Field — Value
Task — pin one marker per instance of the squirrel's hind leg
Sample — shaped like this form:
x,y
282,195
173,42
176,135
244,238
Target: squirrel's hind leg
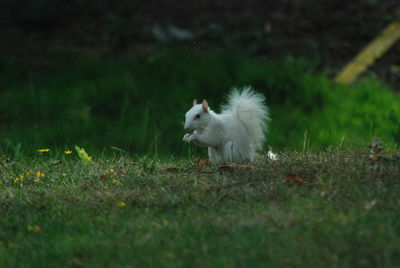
x,y
237,153
215,155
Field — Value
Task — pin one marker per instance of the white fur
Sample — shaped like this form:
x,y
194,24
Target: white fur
x,y
236,133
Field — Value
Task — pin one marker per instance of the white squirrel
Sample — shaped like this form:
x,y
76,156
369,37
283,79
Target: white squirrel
x,y
234,135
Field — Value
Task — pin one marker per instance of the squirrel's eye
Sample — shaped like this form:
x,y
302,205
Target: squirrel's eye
x,y
197,116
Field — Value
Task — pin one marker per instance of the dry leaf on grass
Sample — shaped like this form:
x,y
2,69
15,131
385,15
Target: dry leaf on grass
x,y
226,168
171,169
293,179
201,162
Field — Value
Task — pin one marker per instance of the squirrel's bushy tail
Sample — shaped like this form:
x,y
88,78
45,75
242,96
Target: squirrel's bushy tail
x,y
250,109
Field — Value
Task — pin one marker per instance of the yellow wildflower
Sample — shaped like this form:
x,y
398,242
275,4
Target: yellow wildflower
x,y
36,180
43,150
20,178
121,204
67,152
114,181
39,174
35,228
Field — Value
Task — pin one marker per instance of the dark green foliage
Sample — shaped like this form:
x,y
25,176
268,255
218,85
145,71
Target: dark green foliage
x,y
138,103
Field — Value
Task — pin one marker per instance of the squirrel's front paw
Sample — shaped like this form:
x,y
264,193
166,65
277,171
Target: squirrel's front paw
x,y
186,137
189,137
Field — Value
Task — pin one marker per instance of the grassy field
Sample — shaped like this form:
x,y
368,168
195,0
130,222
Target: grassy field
x,y
138,103
337,208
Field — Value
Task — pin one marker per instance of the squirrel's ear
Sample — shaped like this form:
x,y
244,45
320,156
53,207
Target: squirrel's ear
x,y
204,104
194,102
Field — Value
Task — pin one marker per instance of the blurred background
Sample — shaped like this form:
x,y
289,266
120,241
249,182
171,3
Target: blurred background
x,y
120,75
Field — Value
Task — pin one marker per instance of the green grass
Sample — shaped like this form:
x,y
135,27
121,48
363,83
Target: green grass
x,y
179,214
138,103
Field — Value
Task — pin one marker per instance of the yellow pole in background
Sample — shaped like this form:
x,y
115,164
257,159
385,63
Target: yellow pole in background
x,y
374,50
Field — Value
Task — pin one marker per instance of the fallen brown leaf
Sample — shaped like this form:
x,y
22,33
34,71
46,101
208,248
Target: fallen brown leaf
x,y
226,168
201,162
171,169
293,179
